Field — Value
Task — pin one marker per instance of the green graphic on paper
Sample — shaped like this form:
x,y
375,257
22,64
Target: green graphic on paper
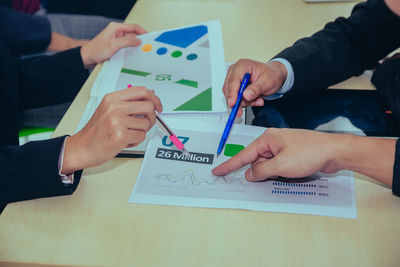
x,y
201,102
232,149
188,83
135,72
163,77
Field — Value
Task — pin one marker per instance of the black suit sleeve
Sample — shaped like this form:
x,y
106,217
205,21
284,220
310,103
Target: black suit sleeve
x,y
24,33
386,79
31,171
50,80
345,47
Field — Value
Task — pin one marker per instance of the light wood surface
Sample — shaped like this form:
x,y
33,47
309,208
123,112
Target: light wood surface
x,y
96,226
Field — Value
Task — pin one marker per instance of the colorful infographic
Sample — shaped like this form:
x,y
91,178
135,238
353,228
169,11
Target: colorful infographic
x,y
181,180
184,66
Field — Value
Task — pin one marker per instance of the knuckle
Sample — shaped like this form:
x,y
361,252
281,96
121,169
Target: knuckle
x,y
241,61
142,89
118,136
108,98
114,123
112,108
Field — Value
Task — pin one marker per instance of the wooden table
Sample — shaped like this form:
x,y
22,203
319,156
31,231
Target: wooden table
x,y
96,226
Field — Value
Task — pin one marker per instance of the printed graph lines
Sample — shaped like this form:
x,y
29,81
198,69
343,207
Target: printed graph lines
x,y
189,176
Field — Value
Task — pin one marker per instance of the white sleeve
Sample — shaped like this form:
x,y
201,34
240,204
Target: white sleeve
x,y
288,84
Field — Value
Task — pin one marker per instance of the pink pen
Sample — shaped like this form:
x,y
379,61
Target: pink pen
x,y
171,135
175,140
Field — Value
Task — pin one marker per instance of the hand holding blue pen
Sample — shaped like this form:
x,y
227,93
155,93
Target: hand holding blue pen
x,y
232,116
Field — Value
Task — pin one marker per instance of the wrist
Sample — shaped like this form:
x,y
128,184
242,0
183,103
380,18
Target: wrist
x,y
342,152
88,62
280,70
75,157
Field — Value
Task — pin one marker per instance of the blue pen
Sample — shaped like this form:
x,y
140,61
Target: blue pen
x,y
232,116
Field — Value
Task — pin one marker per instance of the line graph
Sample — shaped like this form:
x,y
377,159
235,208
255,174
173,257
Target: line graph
x,y
188,176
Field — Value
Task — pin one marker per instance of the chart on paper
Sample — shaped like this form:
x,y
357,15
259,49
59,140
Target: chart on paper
x,y
187,180
178,65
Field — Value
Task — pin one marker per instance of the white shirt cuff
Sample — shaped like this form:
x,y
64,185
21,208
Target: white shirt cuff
x,y
66,179
288,84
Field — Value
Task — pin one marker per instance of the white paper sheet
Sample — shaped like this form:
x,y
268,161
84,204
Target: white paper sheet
x,y
166,179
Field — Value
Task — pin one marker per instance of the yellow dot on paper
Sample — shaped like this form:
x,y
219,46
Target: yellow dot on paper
x,y
147,47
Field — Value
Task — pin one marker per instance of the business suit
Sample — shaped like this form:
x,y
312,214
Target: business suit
x,y
344,48
31,171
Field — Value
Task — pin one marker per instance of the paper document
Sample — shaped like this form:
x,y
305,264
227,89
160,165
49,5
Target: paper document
x,y
185,67
169,178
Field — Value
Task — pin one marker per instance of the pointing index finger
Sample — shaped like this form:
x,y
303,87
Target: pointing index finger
x,y
246,156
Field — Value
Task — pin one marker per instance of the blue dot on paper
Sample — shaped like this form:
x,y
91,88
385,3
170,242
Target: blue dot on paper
x,y
162,50
191,57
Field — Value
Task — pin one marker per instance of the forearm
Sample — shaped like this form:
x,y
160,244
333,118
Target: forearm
x,y
373,157
61,42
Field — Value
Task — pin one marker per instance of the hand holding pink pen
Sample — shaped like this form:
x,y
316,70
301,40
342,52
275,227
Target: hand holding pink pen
x,y
174,139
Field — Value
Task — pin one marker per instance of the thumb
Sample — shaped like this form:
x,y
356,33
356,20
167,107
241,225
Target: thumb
x,y
261,170
253,91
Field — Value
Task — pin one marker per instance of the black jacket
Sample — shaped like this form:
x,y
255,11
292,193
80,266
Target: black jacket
x,y
31,171
24,33
344,48
347,47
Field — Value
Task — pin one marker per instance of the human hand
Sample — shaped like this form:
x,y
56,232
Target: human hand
x,y
290,153
121,120
266,79
114,37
